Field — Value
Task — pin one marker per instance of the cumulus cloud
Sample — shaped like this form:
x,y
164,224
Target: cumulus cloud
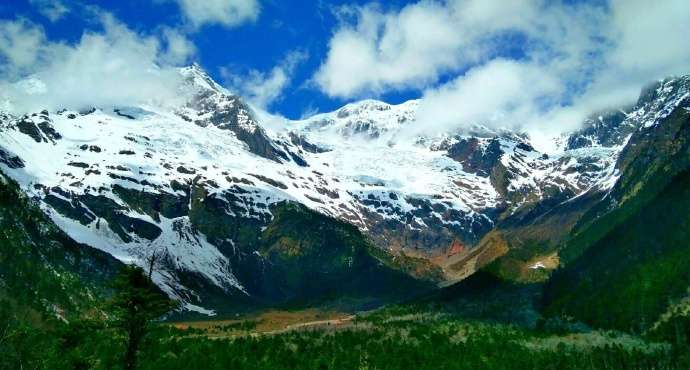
x,y
178,48
499,93
54,10
20,42
384,50
374,51
228,13
533,64
115,66
649,42
264,88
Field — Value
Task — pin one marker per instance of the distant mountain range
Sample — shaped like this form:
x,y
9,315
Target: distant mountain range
x,y
344,207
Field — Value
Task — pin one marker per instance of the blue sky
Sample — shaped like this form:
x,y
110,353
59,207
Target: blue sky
x,y
283,26
536,65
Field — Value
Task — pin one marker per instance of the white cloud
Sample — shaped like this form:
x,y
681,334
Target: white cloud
x,y
229,13
649,42
501,93
650,37
54,10
534,64
381,51
20,42
261,88
179,49
114,67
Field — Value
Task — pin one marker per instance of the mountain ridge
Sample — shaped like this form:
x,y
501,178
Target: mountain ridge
x,y
197,183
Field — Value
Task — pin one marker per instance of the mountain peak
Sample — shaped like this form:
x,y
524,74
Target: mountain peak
x,y
202,181
196,76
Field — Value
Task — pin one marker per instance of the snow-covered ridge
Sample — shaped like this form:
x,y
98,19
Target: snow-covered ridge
x,y
364,119
134,181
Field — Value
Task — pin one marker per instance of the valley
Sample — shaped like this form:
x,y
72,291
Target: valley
x,y
344,185
213,192
315,239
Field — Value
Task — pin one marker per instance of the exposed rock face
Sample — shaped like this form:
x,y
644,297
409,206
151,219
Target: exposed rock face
x,y
212,105
455,248
602,129
38,127
659,146
9,160
476,155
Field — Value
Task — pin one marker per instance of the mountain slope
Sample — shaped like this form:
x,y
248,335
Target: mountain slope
x,y
628,278
200,184
627,262
651,142
41,268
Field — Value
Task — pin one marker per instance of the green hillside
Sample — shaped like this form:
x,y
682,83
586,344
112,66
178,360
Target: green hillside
x,y
40,266
627,279
629,259
316,258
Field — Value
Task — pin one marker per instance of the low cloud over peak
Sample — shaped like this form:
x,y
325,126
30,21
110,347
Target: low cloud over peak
x,y
113,66
536,65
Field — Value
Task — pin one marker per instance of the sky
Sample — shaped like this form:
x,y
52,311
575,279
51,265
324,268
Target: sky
x,y
536,65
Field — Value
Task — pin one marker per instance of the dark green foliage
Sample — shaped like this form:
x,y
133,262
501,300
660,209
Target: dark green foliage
x,y
486,296
674,329
241,326
313,257
625,268
300,258
381,341
40,266
135,304
43,275
629,257
626,279
396,338
648,164
19,337
391,343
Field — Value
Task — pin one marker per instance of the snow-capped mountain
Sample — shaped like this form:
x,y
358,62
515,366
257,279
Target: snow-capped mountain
x,y
198,184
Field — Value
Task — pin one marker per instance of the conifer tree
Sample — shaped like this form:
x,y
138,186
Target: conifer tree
x,y
137,302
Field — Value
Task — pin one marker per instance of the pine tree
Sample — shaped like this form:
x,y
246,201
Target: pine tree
x,y
137,302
